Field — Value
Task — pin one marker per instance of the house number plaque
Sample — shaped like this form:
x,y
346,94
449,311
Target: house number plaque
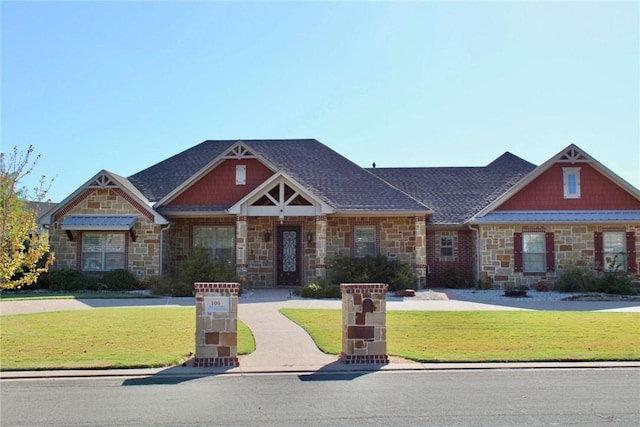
x,y
216,304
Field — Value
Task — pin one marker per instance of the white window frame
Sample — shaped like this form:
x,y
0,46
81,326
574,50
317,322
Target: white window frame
x,y
446,245
364,240
534,256
216,244
614,243
571,183
102,255
241,174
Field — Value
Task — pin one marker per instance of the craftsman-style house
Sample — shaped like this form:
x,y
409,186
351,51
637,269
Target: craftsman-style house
x,y
279,210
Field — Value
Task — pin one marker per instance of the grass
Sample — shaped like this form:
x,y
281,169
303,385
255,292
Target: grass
x,y
19,296
490,336
102,339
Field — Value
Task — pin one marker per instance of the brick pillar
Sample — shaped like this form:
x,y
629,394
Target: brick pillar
x,y
364,323
321,246
421,250
216,324
242,228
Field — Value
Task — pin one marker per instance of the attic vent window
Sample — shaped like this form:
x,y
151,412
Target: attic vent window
x,y
571,183
241,174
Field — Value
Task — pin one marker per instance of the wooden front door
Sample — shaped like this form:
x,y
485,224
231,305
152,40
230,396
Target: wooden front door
x,y
289,273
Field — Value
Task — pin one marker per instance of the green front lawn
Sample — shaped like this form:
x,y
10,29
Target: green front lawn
x,y
23,296
490,336
104,338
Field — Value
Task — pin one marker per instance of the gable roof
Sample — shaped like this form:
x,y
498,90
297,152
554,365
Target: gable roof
x,y
570,155
335,180
455,194
106,179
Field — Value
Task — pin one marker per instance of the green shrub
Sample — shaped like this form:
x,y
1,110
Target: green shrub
x,y
119,280
199,267
371,269
333,291
72,280
450,278
312,291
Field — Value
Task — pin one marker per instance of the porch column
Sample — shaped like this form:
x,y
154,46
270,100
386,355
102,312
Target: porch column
x,y
321,245
421,249
241,246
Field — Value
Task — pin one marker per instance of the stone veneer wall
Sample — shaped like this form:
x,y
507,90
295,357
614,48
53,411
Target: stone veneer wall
x,y
364,323
572,242
396,238
216,331
143,255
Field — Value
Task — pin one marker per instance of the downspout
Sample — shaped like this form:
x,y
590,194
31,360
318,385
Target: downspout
x,y
477,235
162,230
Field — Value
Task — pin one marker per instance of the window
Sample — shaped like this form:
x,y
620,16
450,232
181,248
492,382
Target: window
x,y
220,240
446,246
614,250
571,183
103,251
533,252
365,240
241,174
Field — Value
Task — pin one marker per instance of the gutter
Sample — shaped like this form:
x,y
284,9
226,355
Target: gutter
x,y
162,230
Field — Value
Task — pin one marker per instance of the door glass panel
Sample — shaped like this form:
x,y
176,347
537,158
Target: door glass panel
x,y
289,244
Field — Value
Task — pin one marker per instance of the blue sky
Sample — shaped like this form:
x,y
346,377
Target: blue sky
x,y
123,85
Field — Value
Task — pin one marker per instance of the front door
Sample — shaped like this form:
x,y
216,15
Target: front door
x,y
289,256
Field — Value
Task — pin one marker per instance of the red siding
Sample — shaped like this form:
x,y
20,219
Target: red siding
x,y
219,187
546,193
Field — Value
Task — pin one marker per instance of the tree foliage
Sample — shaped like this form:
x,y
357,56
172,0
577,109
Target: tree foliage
x,y
24,252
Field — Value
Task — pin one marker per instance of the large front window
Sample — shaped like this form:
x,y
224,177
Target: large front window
x,y
533,252
614,250
365,240
220,240
103,251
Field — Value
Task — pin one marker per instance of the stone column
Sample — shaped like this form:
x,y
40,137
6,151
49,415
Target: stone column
x,y
321,245
242,260
421,250
364,323
216,324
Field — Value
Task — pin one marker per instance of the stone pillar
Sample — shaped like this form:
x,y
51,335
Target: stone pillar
x,y
364,323
242,260
321,245
216,324
421,250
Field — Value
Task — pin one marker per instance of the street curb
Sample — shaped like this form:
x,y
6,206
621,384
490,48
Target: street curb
x,y
180,371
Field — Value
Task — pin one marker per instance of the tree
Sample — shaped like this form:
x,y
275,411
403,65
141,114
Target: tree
x,y
24,252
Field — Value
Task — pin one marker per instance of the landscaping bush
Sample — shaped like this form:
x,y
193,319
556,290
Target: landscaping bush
x,y
333,291
312,291
450,279
72,280
199,267
371,269
119,280
581,278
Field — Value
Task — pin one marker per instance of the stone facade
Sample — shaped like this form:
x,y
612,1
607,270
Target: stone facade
x,y
364,323
216,324
572,243
142,256
256,257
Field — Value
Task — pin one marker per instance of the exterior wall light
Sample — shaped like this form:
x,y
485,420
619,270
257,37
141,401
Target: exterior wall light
x,y
267,235
309,237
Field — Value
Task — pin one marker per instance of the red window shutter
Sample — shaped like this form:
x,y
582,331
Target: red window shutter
x,y
551,253
631,251
597,248
517,252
